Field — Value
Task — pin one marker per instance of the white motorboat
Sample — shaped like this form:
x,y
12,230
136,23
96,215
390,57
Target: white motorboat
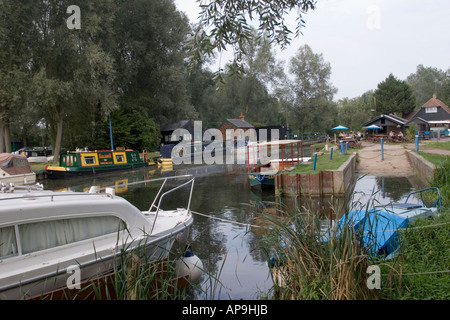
x,y
14,168
45,235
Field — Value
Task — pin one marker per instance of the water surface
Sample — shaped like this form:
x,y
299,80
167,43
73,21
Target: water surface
x,y
222,236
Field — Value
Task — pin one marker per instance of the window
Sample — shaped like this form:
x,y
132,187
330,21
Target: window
x,y
8,245
89,160
44,235
430,109
120,158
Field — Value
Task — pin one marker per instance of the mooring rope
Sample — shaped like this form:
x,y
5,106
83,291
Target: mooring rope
x,y
225,220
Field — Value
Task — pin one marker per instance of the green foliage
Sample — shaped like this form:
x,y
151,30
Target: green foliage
x,y
225,24
313,92
425,82
411,131
394,96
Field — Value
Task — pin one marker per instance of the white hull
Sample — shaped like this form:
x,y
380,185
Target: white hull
x,y
43,235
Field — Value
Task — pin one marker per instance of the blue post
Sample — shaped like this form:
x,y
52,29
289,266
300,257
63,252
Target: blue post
x,y
346,146
382,149
342,147
315,160
417,143
110,133
331,154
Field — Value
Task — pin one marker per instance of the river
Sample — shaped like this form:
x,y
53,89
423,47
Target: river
x,y
222,236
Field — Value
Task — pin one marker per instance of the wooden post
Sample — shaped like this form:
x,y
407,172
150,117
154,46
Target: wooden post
x,y
132,273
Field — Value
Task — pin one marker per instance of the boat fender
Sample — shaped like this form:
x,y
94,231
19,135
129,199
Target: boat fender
x,y
258,177
189,266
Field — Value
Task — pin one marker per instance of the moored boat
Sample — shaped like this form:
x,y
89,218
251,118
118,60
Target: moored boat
x,y
379,227
15,169
79,163
262,168
46,235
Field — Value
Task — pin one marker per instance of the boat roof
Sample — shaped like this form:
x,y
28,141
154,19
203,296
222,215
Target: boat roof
x,y
14,164
275,143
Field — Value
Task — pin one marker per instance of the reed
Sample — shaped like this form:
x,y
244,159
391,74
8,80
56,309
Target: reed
x,y
313,262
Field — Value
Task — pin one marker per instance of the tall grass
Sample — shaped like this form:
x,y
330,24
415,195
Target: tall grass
x,y
315,263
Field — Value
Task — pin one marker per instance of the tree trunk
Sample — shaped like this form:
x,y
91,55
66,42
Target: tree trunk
x,y
59,127
2,137
7,137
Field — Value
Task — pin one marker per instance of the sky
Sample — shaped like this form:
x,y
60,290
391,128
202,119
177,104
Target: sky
x,y
366,40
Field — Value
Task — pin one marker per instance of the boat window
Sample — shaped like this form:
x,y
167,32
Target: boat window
x,y
44,235
8,245
21,162
120,158
89,160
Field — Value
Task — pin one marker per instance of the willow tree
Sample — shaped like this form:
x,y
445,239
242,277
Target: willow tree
x,y
313,107
226,25
16,39
74,73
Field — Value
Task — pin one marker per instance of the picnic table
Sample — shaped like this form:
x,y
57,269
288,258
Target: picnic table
x,y
377,137
352,142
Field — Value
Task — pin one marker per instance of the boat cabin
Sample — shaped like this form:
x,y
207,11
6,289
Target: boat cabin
x,y
15,169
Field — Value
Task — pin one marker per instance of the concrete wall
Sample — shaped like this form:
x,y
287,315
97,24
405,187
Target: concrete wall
x,y
424,169
332,182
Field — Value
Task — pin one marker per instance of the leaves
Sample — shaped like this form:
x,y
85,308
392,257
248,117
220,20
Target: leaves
x,y
227,24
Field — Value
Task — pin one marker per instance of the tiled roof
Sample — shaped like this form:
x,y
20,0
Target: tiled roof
x,y
239,123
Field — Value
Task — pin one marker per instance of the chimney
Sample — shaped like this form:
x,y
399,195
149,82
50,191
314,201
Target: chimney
x,y
241,116
434,95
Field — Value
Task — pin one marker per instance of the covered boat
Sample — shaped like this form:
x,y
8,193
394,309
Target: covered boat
x,y
262,168
79,163
15,169
46,235
379,227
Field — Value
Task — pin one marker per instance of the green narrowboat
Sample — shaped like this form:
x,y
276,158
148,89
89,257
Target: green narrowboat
x,y
78,163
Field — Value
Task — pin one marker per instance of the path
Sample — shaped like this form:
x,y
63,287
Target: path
x,y
395,159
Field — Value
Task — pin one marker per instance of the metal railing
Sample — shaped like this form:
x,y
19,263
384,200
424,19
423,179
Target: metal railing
x,y
10,188
159,197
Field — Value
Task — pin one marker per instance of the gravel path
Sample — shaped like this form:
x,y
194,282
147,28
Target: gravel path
x,y
395,159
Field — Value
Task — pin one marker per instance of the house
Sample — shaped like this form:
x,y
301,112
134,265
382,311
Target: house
x,y
388,123
233,129
434,113
167,129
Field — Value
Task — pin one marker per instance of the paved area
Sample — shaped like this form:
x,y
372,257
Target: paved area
x,y
395,159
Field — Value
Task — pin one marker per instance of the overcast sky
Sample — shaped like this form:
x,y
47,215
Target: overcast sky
x,y
366,40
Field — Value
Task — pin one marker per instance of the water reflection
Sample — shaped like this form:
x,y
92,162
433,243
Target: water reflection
x,y
230,249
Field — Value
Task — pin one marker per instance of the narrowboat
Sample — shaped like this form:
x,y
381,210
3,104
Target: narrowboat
x,y
262,168
79,163
46,236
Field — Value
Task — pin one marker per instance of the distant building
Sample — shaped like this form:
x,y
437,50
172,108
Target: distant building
x,y
387,123
235,124
434,113
280,133
167,131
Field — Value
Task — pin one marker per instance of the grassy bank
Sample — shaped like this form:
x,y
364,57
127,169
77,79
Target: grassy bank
x,y
312,265
324,162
